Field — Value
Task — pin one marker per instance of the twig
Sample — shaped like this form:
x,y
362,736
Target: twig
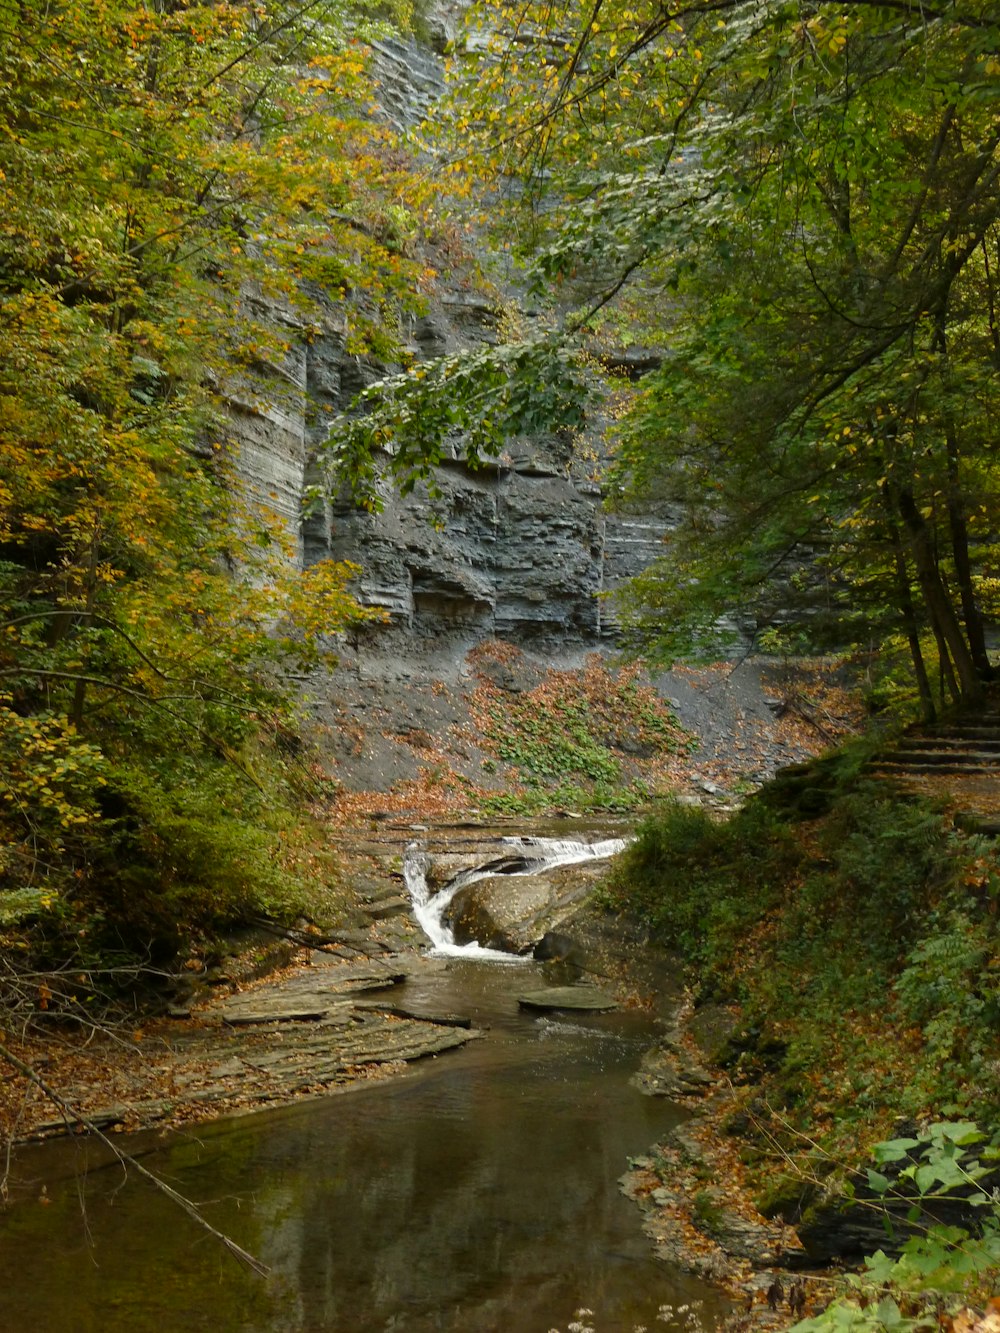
x,y
127,1160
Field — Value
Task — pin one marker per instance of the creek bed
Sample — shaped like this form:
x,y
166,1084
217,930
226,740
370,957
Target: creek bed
x,y
476,1193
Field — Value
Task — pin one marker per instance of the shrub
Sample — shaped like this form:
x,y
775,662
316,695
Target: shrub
x,y
701,884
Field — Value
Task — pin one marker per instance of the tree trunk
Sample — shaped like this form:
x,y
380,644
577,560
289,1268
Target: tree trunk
x,y
912,629
957,523
86,620
942,615
963,565
947,684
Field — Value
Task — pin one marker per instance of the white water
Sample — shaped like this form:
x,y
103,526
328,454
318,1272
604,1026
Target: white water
x,y
533,855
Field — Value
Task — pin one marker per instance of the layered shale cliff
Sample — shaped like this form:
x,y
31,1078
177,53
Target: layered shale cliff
x,y
520,549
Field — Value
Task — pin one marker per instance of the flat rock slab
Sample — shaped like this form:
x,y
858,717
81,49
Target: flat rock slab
x,y
306,998
345,976
404,1011
309,1008
568,997
256,1070
384,908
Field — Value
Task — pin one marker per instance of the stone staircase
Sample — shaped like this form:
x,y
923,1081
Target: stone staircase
x,y
965,753
956,747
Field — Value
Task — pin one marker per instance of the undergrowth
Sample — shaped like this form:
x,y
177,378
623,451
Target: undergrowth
x,y
595,738
858,943
177,849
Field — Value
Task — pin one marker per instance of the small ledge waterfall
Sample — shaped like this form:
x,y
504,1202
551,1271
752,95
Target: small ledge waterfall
x,y
523,856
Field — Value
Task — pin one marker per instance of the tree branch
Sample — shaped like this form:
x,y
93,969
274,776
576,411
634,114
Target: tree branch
x,y
127,1160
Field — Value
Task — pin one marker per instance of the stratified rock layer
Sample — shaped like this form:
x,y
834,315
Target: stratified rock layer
x,y
519,549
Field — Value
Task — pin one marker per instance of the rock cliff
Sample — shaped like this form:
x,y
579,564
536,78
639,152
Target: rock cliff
x,y
522,549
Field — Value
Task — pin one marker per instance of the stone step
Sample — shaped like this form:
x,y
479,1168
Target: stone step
x,y
900,767
956,760
951,742
971,821
959,732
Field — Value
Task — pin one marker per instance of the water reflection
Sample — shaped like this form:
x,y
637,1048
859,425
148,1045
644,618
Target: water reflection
x,y
479,1194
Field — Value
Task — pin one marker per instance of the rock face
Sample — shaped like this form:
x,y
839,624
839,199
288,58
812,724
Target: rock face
x,y
521,549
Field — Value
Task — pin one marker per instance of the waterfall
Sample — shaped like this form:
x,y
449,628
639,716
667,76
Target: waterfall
x,y
525,856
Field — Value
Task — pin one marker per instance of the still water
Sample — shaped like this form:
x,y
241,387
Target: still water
x,y
476,1193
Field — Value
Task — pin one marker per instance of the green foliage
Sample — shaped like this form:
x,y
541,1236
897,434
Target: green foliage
x,y
949,988
554,744
703,885
717,180
197,854
858,941
586,739
469,404
940,1267
882,863
168,173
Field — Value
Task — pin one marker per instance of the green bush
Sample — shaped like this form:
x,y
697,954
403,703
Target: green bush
x,y
703,884
879,865
863,941
195,855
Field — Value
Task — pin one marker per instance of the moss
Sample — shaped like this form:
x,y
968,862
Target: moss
x,y
787,1197
707,1213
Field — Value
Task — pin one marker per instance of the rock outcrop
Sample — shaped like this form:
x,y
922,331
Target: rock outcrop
x,y
511,912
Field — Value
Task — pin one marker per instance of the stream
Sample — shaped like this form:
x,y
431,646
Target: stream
x,y
477,1192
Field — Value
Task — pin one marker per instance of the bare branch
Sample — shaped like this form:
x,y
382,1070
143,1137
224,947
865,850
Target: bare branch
x,y
73,1116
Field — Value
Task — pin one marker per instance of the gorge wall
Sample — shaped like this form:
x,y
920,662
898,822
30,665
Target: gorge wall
x,y
523,548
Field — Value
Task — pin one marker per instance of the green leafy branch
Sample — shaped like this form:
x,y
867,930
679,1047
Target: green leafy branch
x,y
467,405
938,1265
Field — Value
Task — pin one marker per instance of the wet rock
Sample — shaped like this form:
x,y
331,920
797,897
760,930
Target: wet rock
x,y
834,1227
669,1070
219,1067
712,1025
496,912
405,1011
512,911
556,947
389,906
359,940
311,1007
568,997
315,995
762,1244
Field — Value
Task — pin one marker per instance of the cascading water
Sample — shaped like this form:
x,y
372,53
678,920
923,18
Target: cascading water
x,y
525,856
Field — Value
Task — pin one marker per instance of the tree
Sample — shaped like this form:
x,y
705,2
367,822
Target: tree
x,y
850,344
158,160
797,203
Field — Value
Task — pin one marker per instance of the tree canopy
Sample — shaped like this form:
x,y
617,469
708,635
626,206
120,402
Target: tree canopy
x,y
797,205
161,162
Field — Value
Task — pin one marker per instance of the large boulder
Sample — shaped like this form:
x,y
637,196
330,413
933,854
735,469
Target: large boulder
x,y
512,912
